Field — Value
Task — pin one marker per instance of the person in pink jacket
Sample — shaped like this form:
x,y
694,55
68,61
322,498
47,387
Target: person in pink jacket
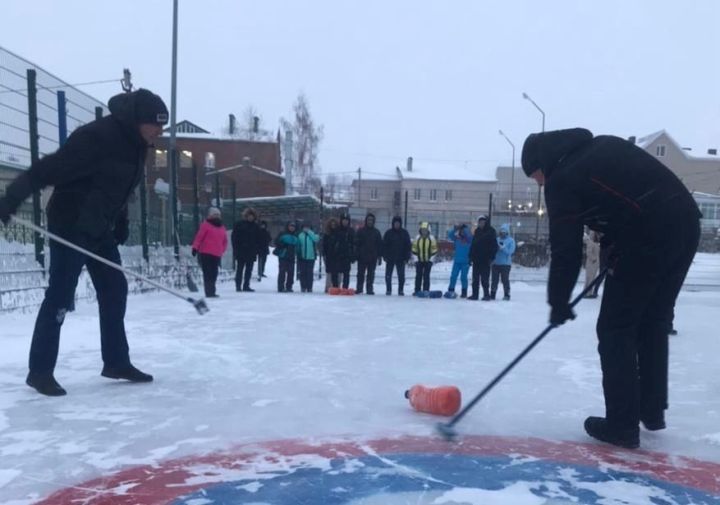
x,y
210,243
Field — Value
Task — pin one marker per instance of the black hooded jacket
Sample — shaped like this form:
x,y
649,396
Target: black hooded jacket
x,y
613,187
339,247
94,173
246,240
484,245
396,246
368,242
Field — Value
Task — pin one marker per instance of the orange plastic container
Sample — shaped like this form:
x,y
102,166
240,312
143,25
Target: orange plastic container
x,y
335,291
441,400
347,291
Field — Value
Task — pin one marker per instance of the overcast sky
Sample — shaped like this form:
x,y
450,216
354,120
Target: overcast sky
x,y
395,78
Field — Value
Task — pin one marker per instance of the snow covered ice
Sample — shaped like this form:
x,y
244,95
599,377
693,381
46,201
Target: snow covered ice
x,y
315,369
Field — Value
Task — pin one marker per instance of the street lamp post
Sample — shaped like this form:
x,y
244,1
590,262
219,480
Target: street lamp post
x,y
172,144
539,204
512,177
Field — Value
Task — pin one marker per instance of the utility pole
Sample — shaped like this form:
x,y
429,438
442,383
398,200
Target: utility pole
x,y
172,147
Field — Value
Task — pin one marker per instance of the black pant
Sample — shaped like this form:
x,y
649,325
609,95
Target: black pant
x,y
306,267
210,265
243,273
422,275
481,274
335,278
111,288
262,259
633,326
363,269
400,266
286,274
500,272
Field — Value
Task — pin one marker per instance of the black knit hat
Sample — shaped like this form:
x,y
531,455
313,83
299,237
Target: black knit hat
x,y
150,108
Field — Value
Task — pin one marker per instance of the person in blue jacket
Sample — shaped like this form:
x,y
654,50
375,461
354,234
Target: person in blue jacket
x,y
306,254
461,238
503,262
286,245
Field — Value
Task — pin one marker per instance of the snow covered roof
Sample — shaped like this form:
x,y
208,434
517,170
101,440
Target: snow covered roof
x,y
471,171
254,167
645,141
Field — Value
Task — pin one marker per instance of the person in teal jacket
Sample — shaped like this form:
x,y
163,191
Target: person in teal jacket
x,y
461,238
503,262
306,254
286,249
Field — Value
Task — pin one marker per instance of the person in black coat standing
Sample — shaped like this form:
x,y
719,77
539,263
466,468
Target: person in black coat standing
x,y
94,173
264,249
368,243
616,188
482,253
342,251
246,242
396,250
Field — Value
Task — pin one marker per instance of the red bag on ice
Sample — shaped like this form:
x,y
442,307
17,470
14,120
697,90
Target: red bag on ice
x,y
441,400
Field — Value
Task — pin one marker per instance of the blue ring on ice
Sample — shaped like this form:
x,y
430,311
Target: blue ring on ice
x,y
355,478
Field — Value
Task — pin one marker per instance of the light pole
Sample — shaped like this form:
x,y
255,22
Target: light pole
x,y
512,177
172,145
539,204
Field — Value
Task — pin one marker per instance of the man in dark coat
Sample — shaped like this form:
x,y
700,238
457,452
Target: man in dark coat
x,y
94,173
342,251
482,253
618,189
246,243
368,243
396,250
264,251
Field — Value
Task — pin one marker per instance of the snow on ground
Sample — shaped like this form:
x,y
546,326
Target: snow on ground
x,y
266,366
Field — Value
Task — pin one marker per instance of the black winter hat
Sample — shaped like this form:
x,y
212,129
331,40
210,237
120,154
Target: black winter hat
x,y
150,108
396,219
543,151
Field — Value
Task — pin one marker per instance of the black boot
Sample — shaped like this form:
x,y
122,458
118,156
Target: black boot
x,y
45,384
127,372
492,295
248,289
463,293
654,422
598,428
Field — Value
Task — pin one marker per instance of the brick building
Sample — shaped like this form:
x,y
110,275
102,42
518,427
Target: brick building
x,y
239,163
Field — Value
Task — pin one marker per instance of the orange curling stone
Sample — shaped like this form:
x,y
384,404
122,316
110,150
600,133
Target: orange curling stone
x,y
441,400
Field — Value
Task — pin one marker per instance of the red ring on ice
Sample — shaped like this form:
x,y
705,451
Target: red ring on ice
x,y
160,484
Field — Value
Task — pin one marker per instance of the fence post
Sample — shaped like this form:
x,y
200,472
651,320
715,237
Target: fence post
x,y
406,207
34,157
62,117
320,229
98,112
196,199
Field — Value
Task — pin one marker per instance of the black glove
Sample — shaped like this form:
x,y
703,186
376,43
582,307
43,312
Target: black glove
x,y
194,252
6,211
560,314
121,231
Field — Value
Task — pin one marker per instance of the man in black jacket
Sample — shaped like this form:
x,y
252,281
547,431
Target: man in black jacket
x,y
246,243
368,244
342,250
94,174
651,222
396,250
482,253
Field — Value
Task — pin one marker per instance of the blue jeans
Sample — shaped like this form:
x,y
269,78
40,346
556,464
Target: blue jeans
x,y
462,270
111,288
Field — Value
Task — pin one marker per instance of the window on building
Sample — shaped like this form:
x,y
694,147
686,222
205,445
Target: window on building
x,y
433,195
209,160
660,150
160,158
185,159
373,193
417,194
396,199
708,210
448,195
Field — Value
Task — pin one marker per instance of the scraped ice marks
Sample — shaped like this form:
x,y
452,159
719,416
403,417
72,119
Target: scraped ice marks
x,y
478,470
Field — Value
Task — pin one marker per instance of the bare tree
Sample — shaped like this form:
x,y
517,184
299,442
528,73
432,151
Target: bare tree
x,y
306,139
331,186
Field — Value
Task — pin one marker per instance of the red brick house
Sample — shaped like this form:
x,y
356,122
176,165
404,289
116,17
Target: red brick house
x,y
250,160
